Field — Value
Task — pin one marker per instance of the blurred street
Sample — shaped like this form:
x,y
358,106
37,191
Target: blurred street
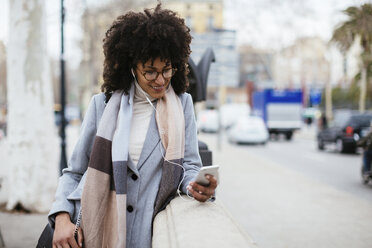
x,y
288,194
283,194
253,72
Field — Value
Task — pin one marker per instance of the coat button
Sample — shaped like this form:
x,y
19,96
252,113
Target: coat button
x,y
130,209
134,177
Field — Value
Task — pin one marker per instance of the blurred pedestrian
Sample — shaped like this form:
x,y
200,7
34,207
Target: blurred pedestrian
x,y
366,143
309,120
322,123
138,143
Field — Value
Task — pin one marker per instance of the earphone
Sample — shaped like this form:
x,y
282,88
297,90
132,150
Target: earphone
x,y
143,92
183,168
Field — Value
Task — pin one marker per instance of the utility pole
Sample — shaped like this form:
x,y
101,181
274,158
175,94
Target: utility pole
x,y
63,162
328,97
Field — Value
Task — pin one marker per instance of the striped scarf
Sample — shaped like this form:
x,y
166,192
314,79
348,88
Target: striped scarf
x,y
104,196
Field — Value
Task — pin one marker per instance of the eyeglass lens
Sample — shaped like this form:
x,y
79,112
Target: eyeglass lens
x,y
153,75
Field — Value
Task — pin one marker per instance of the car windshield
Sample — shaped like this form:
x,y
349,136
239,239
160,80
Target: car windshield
x,y
250,122
341,118
361,120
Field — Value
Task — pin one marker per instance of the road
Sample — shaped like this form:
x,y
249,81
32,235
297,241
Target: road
x,y
341,171
288,194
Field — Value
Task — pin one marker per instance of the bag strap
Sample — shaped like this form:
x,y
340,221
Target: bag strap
x,y
77,225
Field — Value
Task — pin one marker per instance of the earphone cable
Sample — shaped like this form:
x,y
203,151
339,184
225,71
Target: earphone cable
x,y
183,168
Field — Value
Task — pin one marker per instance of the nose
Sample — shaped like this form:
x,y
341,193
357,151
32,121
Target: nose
x,y
160,80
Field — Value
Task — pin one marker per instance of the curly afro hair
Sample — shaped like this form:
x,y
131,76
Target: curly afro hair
x,y
138,37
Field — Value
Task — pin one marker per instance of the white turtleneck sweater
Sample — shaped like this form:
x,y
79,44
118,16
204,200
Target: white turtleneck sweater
x,y
142,111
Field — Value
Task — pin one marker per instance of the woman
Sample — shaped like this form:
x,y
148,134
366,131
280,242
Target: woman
x,y
138,142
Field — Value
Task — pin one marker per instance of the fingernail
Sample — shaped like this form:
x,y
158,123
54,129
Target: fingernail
x,y
208,176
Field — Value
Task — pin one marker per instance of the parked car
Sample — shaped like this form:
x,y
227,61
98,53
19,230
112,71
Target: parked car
x,y
208,121
249,130
231,112
345,130
2,134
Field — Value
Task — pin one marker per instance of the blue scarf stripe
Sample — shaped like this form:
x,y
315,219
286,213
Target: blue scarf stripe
x,y
120,169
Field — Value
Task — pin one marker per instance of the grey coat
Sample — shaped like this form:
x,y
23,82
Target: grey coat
x,y
143,180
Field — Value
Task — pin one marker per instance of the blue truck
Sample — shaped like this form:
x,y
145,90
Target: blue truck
x,y
280,109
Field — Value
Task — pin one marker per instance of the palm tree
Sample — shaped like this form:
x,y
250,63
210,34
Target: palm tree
x,y
357,28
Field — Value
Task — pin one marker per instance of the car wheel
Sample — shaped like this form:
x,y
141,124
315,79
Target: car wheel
x,y
320,144
340,147
274,136
352,149
288,136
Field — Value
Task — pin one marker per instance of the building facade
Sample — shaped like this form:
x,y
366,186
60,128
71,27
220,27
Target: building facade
x,y
255,65
312,62
225,70
205,19
302,64
200,16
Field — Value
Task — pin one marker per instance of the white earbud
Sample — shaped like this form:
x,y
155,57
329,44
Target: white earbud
x,y
183,168
152,105
143,92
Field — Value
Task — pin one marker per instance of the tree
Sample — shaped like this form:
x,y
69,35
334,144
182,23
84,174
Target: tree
x,y
32,139
2,76
357,28
95,21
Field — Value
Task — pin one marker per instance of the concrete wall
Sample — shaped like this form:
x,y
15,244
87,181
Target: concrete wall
x,y
189,223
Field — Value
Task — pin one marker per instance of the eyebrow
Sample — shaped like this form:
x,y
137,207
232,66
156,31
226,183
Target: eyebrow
x,y
153,67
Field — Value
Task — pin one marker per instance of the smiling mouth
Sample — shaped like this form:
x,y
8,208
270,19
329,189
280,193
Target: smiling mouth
x,y
157,87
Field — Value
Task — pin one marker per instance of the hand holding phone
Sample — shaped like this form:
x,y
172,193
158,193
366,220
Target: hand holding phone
x,y
207,170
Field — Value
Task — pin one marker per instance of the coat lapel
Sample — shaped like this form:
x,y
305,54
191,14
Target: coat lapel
x,y
151,141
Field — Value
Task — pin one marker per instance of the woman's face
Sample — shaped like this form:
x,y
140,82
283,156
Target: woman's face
x,y
154,76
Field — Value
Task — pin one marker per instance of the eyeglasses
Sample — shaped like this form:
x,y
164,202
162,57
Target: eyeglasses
x,y
153,75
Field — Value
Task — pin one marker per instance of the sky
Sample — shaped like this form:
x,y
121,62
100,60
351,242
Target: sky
x,y
265,24
274,24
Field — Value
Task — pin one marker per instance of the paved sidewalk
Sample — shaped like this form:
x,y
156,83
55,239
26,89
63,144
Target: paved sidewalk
x,y
21,230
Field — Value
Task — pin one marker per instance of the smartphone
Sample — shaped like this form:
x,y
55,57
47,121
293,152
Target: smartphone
x,y
207,170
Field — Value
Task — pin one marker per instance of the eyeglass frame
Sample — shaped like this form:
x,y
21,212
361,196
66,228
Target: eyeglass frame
x,y
174,70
